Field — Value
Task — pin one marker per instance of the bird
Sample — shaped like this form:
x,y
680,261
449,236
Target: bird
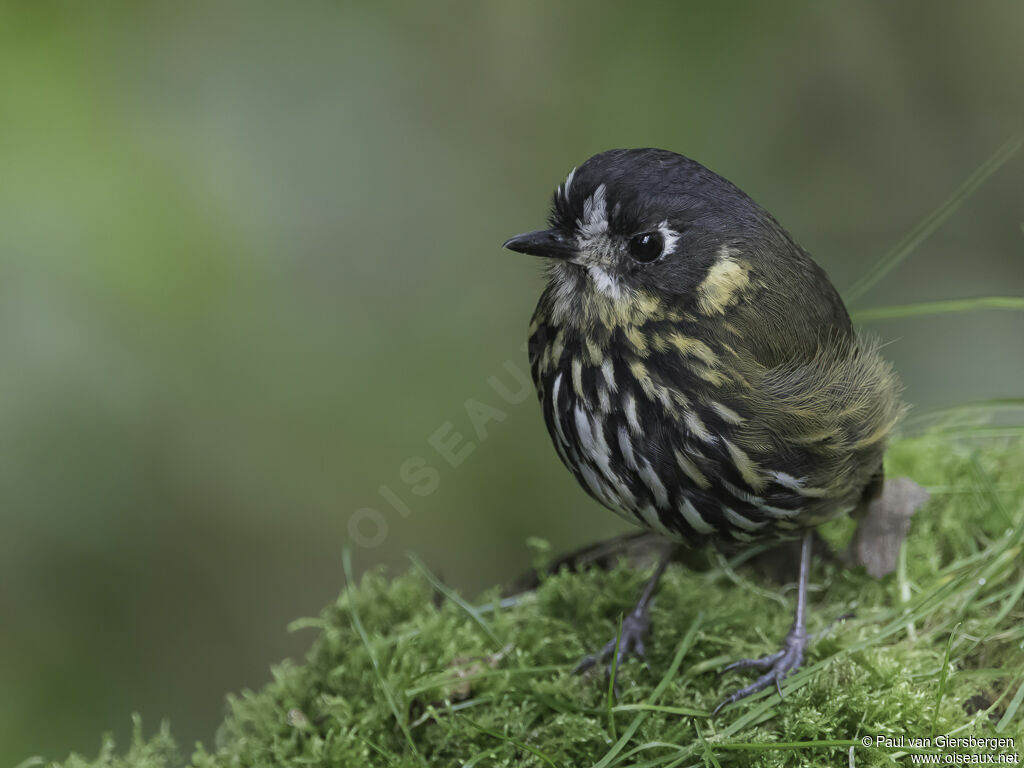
x,y
699,374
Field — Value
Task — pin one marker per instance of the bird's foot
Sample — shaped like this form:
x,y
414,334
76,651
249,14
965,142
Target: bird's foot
x,y
780,665
630,643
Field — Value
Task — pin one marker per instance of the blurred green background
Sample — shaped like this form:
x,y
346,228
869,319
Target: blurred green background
x,y
250,262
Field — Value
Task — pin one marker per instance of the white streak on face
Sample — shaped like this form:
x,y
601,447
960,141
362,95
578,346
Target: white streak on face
x,y
595,215
598,251
670,236
565,286
605,282
567,184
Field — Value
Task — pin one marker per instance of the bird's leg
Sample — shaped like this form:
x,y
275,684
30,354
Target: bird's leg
x,y
634,626
786,660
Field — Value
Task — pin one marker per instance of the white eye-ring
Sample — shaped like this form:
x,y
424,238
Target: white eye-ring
x,y
670,236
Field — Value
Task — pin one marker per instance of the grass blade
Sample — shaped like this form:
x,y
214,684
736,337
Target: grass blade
x,y
684,647
709,756
684,711
950,306
611,683
515,743
454,596
942,679
934,220
1011,709
346,560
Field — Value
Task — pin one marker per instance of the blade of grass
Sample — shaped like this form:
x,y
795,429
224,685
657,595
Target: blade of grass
x,y
375,748
978,408
477,758
666,761
566,705
982,433
685,711
992,498
934,220
432,712
904,586
454,596
727,570
611,683
684,647
1011,709
923,308
709,756
346,561
514,742
1010,603
994,707
676,749
766,701
437,679
943,678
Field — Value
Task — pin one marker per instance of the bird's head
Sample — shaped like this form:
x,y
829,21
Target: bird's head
x,y
643,224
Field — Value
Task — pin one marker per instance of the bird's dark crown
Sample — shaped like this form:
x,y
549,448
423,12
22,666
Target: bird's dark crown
x,y
643,187
652,222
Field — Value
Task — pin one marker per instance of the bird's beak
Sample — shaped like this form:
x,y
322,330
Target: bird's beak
x,y
544,242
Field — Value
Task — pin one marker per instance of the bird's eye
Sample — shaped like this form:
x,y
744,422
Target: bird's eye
x,y
646,247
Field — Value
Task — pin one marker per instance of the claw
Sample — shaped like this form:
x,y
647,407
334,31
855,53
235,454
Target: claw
x,y
630,642
585,663
785,661
780,665
634,628
762,663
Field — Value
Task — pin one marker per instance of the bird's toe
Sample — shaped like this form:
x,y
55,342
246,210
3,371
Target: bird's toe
x,y
629,642
779,665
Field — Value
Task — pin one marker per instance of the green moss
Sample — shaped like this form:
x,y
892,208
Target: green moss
x,y
396,677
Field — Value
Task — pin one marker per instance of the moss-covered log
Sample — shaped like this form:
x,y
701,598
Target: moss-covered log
x,y
402,674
